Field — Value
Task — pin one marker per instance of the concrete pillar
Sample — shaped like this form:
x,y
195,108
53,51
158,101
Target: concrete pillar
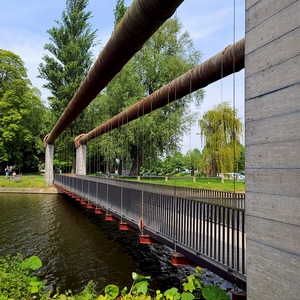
x,y
272,117
81,160
49,154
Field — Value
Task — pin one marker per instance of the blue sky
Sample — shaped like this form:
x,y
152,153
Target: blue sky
x,y
24,25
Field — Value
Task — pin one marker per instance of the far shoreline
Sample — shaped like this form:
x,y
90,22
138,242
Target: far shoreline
x,y
21,190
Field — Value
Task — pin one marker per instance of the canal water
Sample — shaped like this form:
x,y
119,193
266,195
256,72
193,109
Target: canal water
x,y
76,245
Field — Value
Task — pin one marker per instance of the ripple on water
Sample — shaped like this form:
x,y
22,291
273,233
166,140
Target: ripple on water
x,y
73,249
77,246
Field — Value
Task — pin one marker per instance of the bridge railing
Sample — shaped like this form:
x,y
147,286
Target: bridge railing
x,y
212,196
204,227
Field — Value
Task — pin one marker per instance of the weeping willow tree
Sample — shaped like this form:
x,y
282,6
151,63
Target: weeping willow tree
x,y
221,130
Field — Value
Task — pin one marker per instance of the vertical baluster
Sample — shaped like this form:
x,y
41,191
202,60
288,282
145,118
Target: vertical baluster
x,y
202,223
219,233
215,231
228,232
238,240
232,239
191,224
207,231
243,242
211,214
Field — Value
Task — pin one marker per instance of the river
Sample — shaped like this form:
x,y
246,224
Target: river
x,y
76,245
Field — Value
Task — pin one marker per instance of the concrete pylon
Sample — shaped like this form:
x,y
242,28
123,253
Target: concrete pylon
x,y
49,155
80,156
272,116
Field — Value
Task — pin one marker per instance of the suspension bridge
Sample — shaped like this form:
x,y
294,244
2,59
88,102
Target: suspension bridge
x,y
209,228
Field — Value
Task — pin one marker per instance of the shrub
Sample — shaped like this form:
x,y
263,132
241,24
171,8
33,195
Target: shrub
x,y
18,282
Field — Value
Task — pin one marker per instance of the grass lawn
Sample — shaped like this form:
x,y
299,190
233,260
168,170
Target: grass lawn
x,y
28,181
201,183
38,181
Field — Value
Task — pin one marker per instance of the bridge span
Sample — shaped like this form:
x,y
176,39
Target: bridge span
x,y
272,142
205,227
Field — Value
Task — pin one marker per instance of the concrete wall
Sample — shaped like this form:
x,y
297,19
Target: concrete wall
x,y
272,115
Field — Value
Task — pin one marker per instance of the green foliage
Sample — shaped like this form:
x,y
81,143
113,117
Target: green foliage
x,y
70,59
119,12
193,160
193,289
140,284
71,55
165,56
17,280
241,161
21,114
111,291
172,293
31,263
214,293
220,131
88,293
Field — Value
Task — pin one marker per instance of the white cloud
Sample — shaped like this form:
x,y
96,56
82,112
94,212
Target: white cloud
x,y
205,25
29,46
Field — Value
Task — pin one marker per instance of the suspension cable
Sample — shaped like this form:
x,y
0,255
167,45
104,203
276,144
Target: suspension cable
x,y
233,103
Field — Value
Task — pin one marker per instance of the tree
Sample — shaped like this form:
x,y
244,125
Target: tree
x,y
193,160
166,55
21,115
119,11
70,60
220,131
241,161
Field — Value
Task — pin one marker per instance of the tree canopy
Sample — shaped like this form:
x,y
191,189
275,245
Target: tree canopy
x,y
193,160
70,59
21,115
220,131
71,56
165,56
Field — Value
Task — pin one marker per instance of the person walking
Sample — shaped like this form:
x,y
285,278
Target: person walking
x,y
7,172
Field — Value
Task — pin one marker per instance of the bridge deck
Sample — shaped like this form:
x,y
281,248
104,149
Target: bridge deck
x,y
208,230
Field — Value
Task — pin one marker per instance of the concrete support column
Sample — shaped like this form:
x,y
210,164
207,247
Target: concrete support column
x,y
81,160
49,154
272,117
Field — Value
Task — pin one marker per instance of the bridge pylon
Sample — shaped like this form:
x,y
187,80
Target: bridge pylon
x,y
49,156
80,155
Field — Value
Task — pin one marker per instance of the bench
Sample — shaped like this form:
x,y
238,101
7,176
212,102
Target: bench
x,y
18,178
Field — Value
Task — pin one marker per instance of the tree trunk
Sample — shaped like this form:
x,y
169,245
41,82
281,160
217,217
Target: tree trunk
x,y
213,168
120,167
73,170
136,165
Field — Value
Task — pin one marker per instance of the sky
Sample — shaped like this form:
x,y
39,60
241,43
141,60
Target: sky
x,y
213,25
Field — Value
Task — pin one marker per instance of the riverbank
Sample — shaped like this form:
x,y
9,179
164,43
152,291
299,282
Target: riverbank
x,y
23,190
35,183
